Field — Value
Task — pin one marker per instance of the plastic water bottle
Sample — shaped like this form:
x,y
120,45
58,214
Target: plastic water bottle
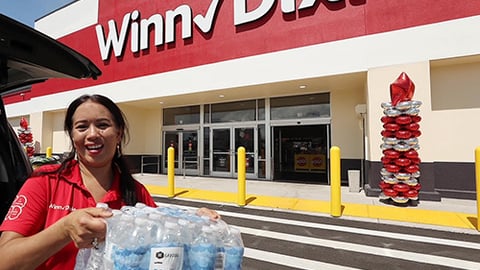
x,y
91,258
82,258
234,249
187,229
220,231
168,251
124,254
113,226
203,252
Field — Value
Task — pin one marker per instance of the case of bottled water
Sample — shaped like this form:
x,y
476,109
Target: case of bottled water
x,y
164,238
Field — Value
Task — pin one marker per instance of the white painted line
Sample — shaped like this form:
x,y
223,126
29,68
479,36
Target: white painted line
x,y
400,236
286,260
386,252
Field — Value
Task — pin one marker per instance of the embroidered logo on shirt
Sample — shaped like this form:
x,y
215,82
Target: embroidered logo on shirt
x,y
16,208
61,207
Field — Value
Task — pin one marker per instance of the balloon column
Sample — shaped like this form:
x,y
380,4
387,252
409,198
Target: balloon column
x,y
400,134
25,137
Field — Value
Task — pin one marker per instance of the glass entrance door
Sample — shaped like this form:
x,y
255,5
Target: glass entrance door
x,y
301,153
185,143
225,143
222,152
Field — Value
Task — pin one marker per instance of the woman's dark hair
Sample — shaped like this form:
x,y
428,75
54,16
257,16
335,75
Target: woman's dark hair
x,y
127,182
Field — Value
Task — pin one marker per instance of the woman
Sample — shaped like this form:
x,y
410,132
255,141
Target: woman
x,y
54,213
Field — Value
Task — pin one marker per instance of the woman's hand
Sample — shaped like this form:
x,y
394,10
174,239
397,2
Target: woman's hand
x,y
212,214
86,227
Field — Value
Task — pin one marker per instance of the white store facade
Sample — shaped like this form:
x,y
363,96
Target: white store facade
x,y
285,79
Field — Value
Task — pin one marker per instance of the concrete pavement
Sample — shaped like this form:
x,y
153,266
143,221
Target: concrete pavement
x,y
448,214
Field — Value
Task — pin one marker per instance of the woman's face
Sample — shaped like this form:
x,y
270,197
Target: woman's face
x,y
95,135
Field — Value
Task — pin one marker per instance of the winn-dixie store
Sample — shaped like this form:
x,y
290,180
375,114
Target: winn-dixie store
x,y
285,79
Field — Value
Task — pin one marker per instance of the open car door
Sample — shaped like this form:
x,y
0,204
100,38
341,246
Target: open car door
x,y
28,56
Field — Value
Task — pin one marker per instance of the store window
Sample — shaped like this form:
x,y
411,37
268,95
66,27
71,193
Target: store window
x,y
261,109
181,115
297,107
233,111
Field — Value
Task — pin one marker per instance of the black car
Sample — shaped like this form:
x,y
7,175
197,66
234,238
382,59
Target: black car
x,y
27,57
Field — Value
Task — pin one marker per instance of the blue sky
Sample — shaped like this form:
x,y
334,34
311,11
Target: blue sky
x,y
27,11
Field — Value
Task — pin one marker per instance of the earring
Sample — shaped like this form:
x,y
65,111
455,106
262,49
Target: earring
x,y
119,152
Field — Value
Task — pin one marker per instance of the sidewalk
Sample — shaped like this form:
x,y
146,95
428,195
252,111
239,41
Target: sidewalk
x,y
448,214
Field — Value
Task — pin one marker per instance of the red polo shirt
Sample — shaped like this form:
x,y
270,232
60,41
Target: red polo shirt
x,y
45,199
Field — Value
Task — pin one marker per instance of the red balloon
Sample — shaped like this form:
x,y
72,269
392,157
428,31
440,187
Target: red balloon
x,y
416,118
390,192
401,187
385,160
384,185
411,154
388,133
391,126
416,133
412,168
403,119
417,187
413,126
411,193
401,89
387,119
415,160
391,154
392,168
403,134
402,162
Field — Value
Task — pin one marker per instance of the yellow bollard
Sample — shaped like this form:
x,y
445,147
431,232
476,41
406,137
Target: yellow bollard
x,y
335,183
171,172
477,177
49,152
242,170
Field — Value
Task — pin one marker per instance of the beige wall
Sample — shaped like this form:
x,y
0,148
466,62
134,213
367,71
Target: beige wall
x,y
59,140
455,86
456,111
346,124
145,130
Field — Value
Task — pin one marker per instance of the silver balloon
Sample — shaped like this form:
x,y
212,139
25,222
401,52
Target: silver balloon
x,y
403,105
411,141
401,147
384,172
389,179
389,140
416,174
412,111
399,199
387,105
402,176
382,196
412,182
385,146
392,112
416,103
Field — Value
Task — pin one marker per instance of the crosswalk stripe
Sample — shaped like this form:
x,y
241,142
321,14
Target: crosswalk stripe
x,y
290,261
391,235
386,252
400,236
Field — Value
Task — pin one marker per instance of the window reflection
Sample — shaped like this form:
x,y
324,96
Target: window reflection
x,y
307,106
233,111
181,115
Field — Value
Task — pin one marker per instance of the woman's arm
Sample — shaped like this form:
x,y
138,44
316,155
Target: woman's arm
x,y
81,226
